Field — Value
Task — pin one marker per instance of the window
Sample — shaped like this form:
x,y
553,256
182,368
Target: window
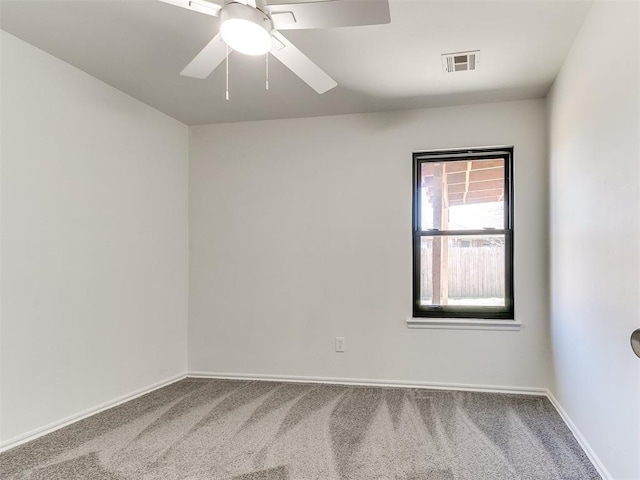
x,y
463,234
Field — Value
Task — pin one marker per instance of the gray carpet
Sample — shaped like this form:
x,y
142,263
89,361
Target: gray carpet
x,y
244,430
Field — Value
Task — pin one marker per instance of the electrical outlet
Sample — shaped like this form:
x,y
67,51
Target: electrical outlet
x,y
341,344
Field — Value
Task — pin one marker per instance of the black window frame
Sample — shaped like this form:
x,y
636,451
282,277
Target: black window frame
x,y
465,312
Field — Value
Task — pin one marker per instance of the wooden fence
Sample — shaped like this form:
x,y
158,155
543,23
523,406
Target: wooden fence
x,y
473,271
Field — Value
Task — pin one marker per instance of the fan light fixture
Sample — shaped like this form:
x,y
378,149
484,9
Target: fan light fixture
x,y
253,27
245,29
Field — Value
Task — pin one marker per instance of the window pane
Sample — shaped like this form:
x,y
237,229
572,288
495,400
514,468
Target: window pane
x,y
466,270
462,195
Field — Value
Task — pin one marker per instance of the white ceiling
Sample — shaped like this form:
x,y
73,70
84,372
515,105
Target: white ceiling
x,y
140,46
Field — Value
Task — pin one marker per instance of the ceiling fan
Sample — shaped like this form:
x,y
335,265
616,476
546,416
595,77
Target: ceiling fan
x,y
252,27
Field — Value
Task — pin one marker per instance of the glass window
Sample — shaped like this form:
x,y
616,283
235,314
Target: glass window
x,y
463,234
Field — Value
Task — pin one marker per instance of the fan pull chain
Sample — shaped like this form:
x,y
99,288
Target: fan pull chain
x,y
227,62
267,67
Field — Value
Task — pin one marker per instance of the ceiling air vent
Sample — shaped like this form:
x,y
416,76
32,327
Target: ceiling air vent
x,y
460,61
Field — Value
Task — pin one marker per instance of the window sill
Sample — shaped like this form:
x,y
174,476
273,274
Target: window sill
x,y
463,324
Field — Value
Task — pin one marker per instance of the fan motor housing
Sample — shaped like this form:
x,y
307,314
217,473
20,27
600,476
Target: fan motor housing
x,y
240,11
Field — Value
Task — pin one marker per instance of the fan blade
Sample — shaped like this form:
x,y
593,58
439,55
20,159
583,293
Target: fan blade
x,y
202,6
299,63
329,13
207,60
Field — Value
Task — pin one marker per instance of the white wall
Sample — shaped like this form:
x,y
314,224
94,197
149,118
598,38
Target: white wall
x,y
94,242
300,231
595,235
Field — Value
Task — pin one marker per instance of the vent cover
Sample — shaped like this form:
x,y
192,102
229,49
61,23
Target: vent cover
x,y
460,61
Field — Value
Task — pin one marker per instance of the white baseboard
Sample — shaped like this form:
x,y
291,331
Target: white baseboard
x,y
581,440
52,427
372,382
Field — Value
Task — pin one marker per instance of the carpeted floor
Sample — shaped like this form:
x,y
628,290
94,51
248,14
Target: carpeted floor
x,y
244,430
